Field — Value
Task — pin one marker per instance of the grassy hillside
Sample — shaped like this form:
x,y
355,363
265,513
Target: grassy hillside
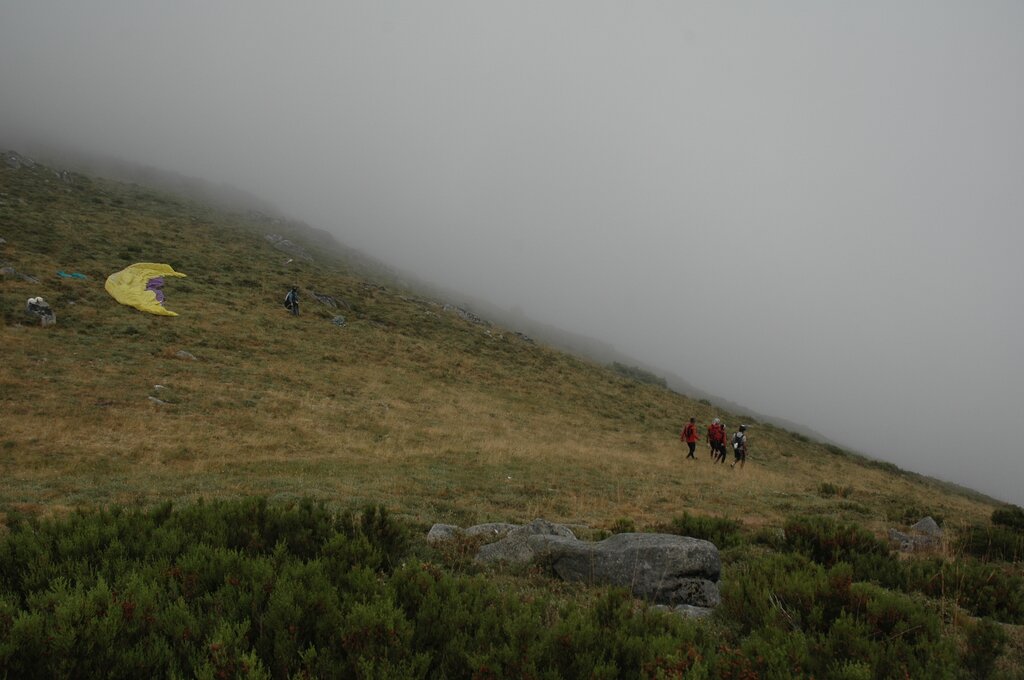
x,y
408,404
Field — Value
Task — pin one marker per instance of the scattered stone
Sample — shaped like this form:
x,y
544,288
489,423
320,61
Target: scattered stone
x,y
466,315
672,570
901,541
517,548
442,532
338,321
158,402
925,535
448,532
928,527
38,309
159,387
3,241
16,161
293,249
420,302
330,301
8,271
182,354
525,338
492,529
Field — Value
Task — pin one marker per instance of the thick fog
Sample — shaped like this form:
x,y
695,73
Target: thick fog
x,y
812,209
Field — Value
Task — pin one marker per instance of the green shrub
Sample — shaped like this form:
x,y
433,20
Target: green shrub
x,y
828,542
796,618
206,590
984,643
721,531
996,542
982,588
251,589
1011,516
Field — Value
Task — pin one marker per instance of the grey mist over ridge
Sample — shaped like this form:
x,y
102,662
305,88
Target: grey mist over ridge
x,y
813,211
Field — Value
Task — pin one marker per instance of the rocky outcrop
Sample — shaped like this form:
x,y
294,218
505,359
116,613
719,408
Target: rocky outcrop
x,y
446,532
293,249
518,546
925,535
928,527
38,310
466,315
16,161
8,271
663,568
330,300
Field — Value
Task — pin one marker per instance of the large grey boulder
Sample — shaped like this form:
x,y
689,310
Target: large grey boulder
x,y
492,529
662,568
928,527
903,542
925,535
39,310
516,547
442,532
448,532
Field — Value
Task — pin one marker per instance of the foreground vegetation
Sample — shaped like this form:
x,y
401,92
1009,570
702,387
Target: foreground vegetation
x,y
411,407
246,588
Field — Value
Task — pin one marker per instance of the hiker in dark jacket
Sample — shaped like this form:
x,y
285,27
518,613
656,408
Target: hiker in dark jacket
x,y
739,446
690,436
291,300
716,439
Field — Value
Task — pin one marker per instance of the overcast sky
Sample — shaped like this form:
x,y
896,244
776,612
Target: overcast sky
x,y
814,209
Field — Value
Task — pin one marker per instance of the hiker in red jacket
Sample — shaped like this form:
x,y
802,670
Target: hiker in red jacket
x,y
716,438
690,436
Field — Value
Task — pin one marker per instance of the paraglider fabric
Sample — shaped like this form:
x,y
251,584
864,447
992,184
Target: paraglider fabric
x,y
155,285
139,286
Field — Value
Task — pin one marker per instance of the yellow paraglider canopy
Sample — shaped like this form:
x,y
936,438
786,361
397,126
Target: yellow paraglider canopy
x,y
139,286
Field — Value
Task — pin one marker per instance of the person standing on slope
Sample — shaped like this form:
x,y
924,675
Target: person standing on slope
x,y
716,439
690,436
739,446
291,300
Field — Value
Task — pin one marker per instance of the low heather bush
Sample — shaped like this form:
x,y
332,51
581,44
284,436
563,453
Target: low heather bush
x,y
722,531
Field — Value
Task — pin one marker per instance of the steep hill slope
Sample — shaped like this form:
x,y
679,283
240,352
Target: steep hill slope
x,y
409,403
440,417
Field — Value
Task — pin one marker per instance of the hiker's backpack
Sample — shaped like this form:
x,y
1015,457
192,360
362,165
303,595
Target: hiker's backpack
x,y
737,441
